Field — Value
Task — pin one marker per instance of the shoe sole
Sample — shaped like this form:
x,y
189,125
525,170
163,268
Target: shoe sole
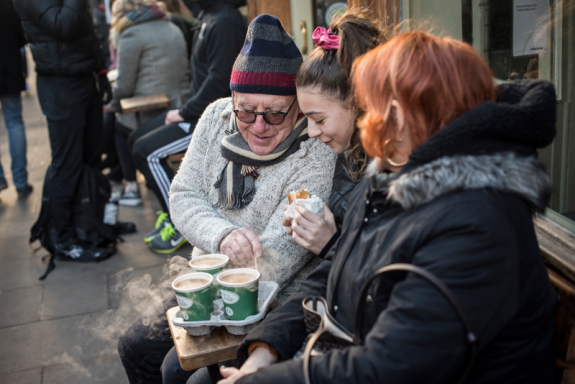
x,y
169,250
130,202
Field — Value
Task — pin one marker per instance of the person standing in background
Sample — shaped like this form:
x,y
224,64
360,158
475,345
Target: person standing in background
x,y
216,44
12,82
72,84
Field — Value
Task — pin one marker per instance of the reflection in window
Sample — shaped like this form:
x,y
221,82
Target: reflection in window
x,y
510,34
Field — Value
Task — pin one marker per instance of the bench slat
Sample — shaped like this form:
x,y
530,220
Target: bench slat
x,y
144,103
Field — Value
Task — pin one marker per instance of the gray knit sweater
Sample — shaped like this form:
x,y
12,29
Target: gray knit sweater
x,y
192,196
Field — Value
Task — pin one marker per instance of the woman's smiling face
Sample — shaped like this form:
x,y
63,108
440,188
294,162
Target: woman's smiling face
x,y
328,118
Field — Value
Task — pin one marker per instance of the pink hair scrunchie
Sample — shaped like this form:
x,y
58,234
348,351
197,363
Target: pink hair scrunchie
x,y
322,38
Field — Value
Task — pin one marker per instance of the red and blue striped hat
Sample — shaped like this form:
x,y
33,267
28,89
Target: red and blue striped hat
x,y
269,60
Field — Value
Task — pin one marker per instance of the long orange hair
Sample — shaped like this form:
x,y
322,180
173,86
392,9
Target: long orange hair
x,y
434,79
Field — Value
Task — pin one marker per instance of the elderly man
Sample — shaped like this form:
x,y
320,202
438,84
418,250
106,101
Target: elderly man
x,y
247,153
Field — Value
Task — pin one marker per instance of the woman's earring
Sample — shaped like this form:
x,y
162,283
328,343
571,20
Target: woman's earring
x,y
391,162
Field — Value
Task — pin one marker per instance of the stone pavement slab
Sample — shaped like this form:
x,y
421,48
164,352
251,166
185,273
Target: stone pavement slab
x,y
22,306
33,376
107,370
49,343
74,297
64,329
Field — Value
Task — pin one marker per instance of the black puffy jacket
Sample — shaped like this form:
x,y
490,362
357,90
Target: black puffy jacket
x,y
12,80
61,36
462,209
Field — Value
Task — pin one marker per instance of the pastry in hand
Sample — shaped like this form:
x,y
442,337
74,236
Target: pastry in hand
x,y
302,194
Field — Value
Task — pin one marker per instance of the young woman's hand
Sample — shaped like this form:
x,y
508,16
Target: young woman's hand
x,y
259,358
311,231
286,222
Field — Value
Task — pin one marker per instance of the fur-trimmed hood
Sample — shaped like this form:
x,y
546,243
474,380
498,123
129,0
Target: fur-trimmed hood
x,y
522,176
491,146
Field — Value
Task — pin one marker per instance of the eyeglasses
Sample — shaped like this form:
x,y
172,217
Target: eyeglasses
x,y
271,117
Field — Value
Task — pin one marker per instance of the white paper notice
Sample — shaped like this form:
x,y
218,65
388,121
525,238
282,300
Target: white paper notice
x,y
529,27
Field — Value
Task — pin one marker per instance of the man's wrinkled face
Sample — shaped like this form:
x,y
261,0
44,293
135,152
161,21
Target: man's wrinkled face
x,y
262,137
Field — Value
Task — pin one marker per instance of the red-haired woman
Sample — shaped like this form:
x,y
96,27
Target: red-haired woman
x,y
458,202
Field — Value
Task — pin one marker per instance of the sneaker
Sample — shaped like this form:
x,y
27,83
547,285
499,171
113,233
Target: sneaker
x,y
130,199
3,183
168,241
163,219
73,251
24,191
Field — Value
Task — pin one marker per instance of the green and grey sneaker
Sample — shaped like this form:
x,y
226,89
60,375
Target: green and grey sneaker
x,y
163,219
169,240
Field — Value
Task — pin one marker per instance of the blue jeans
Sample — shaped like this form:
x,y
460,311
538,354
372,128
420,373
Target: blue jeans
x,y
12,110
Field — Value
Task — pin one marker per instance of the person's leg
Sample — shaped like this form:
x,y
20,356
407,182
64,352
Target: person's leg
x,y
65,108
147,127
172,372
150,155
92,146
108,145
143,347
12,110
201,376
124,152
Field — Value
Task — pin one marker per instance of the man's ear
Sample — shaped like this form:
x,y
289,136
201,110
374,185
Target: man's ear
x,y
399,116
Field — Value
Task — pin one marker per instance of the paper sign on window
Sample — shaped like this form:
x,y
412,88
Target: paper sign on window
x,y
529,27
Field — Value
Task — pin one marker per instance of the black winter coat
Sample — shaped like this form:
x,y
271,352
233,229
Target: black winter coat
x,y
462,209
61,36
343,185
12,80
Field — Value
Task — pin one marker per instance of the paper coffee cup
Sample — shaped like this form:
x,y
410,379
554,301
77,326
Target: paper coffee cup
x,y
211,269
240,298
195,303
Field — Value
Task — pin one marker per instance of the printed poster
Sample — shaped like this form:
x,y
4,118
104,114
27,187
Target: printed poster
x,y
529,27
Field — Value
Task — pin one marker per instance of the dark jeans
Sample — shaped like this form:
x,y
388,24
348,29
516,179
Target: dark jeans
x,y
124,151
108,145
144,348
153,142
12,111
73,108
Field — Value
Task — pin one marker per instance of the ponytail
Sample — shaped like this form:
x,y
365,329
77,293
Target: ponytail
x,y
359,31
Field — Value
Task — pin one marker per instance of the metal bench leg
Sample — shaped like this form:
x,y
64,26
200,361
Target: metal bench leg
x,y
214,371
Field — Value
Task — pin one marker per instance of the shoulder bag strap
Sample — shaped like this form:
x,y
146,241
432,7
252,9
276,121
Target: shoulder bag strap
x,y
470,336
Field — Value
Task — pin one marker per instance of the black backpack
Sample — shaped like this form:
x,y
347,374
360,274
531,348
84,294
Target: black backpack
x,y
92,194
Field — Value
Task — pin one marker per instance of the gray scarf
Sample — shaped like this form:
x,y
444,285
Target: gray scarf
x,y
235,184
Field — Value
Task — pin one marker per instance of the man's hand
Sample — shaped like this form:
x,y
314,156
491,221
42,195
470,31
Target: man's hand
x,y
241,246
311,231
173,116
259,358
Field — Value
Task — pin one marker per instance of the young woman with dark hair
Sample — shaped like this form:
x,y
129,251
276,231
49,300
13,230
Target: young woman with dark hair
x,y
324,91
458,204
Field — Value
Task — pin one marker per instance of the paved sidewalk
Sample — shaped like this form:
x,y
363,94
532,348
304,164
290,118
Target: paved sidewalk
x,y
64,329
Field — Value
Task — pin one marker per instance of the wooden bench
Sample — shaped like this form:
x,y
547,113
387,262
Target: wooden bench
x,y
557,248
216,347
144,103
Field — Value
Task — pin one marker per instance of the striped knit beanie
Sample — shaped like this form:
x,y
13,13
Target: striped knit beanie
x,y
269,60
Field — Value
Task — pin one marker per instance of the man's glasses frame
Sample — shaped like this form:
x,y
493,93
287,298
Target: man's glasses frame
x,y
245,113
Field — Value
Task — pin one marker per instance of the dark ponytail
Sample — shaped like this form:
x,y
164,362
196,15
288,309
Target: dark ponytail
x,y
359,30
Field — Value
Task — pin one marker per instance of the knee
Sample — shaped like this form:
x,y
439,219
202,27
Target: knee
x,y
172,372
139,150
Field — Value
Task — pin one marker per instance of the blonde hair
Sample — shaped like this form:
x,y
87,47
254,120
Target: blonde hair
x,y
122,7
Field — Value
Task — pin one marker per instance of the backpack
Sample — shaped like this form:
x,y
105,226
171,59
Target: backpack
x,y
92,194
